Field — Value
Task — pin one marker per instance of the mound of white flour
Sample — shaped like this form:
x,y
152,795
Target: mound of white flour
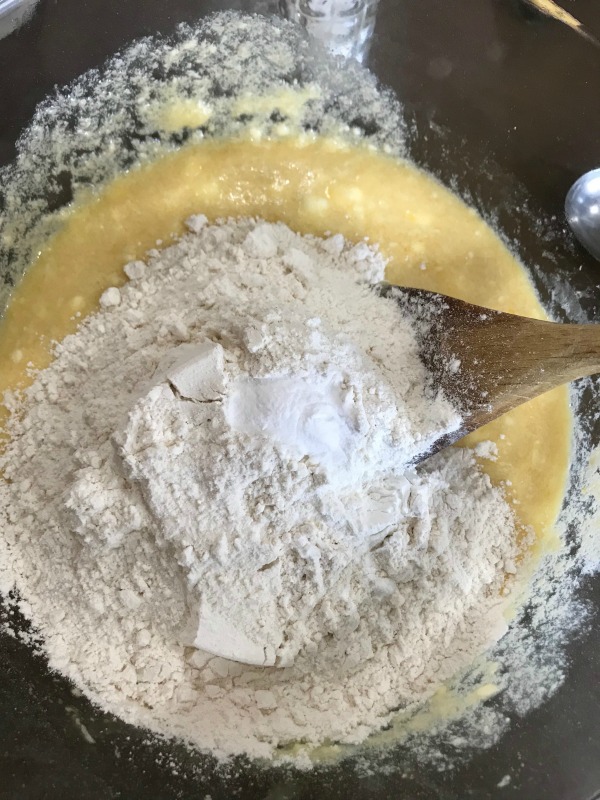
x,y
217,458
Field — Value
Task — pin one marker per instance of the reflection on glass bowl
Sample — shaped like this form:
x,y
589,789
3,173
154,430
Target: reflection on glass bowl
x,y
344,26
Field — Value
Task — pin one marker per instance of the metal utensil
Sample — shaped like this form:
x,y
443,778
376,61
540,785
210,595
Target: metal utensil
x,y
582,207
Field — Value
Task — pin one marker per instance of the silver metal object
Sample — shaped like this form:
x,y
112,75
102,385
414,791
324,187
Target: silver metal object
x,y
13,14
582,207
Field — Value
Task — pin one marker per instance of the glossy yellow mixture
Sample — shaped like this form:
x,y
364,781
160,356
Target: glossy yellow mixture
x,y
431,238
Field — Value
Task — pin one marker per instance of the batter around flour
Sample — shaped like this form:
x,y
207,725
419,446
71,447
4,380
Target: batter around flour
x,y
318,187
430,238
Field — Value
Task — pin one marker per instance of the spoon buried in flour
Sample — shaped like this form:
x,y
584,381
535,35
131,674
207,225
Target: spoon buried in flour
x,y
487,362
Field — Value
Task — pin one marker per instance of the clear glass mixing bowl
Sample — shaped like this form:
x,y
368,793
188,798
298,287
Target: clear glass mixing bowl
x,y
502,103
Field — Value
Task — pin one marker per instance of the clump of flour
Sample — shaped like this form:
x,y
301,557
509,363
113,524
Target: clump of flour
x,y
227,439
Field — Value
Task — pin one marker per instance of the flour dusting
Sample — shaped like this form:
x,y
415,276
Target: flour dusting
x,y
216,462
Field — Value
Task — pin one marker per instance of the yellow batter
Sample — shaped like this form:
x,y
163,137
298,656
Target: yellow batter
x,y
431,238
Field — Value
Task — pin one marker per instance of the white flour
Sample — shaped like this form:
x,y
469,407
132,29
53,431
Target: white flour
x,y
228,436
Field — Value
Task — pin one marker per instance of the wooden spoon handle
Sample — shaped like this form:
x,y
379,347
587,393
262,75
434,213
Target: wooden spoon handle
x,y
488,362
569,351
505,353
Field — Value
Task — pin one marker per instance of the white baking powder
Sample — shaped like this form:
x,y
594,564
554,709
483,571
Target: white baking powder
x,y
217,459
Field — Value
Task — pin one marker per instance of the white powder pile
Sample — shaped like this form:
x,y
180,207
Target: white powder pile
x,y
217,458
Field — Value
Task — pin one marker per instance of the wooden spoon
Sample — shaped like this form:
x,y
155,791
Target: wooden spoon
x,y
488,362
